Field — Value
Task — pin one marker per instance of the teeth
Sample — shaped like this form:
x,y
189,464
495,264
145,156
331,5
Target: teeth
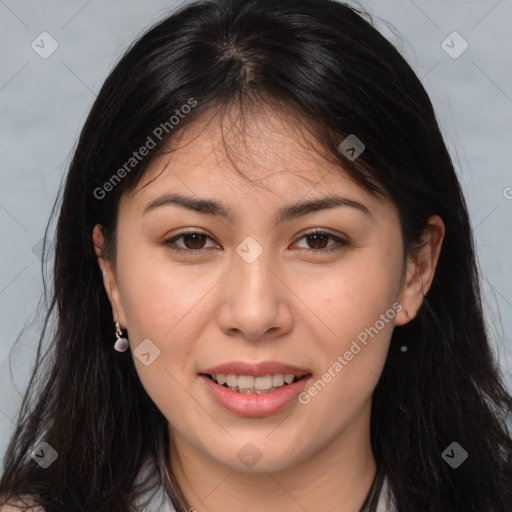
x,y
245,381
249,384
278,379
231,381
261,383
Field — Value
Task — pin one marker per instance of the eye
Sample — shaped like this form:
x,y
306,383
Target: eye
x,y
194,241
318,239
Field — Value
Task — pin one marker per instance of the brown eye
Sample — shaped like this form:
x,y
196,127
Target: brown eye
x,y
318,242
192,241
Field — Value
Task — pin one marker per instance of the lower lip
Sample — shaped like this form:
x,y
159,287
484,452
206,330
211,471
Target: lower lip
x,y
265,404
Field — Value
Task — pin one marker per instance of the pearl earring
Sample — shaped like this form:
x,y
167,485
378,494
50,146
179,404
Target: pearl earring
x,y
121,344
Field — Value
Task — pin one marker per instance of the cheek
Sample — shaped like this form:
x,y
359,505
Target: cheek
x,y
162,305
355,305
160,298
353,297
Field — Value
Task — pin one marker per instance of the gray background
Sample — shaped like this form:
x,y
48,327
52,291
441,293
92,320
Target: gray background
x,y
44,103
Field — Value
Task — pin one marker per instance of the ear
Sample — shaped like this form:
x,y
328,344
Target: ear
x,y
420,270
109,277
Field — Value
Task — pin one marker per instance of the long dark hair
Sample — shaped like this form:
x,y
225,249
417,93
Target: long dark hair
x,y
324,62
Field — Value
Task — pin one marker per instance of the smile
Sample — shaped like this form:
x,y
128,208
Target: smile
x,y
249,384
245,399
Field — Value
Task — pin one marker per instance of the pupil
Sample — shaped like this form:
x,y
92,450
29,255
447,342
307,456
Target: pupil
x,y
316,242
195,237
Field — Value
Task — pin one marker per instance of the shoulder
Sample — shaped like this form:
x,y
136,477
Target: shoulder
x,y
18,506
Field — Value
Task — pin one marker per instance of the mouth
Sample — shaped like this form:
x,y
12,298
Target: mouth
x,y
260,395
259,385
254,389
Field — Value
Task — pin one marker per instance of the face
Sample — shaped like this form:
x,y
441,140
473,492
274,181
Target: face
x,y
247,292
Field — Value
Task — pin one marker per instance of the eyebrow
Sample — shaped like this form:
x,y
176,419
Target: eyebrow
x,y
211,207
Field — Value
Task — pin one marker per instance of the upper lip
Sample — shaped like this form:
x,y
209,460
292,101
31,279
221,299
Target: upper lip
x,y
255,369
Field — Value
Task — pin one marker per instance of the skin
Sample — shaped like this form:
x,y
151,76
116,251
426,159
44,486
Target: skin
x,y
291,305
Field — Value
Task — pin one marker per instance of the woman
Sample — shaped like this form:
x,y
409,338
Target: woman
x,y
262,219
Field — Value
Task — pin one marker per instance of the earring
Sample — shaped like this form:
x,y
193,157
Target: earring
x,y
121,344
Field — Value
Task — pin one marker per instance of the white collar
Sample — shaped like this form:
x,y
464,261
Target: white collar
x,y
385,503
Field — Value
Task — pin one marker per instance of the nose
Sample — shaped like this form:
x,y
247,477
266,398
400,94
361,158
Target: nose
x,y
255,300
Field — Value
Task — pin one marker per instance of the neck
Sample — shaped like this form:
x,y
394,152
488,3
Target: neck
x,y
336,477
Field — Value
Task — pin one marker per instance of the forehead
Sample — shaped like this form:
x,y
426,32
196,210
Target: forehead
x,y
237,155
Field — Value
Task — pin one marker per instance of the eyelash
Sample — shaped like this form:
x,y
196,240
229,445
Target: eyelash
x,y
342,243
